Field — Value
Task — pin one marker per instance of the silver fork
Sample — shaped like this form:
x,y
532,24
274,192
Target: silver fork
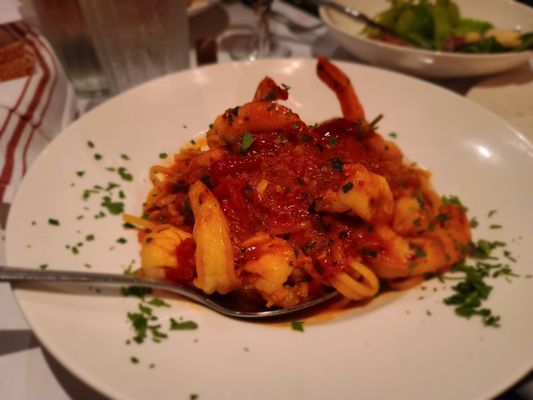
x,y
215,303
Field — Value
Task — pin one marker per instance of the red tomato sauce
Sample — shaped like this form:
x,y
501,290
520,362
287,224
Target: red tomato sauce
x,y
273,187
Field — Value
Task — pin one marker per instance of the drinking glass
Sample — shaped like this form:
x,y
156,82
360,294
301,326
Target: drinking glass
x,y
63,24
109,46
261,44
138,40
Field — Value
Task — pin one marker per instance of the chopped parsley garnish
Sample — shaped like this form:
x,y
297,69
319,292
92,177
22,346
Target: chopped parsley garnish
x,y
297,326
163,155
337,164
89,238
246,142
53,221
134,360
140,325
495,226
443,217
393,135
125,157
420,199
483,248
472,290
122,240
470,294
43,266
419,252
87,193
185,325
98,156
284,86
453,200
491,213
90,144
136,291
157,302
307,138
124,174
474,223
332,140
507,254
114,208
80,173
111,186
347,187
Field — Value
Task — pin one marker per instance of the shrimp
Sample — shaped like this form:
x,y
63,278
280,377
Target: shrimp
x,y
268,90
337,81
271,268
437,249
259,115
256,116
159,250
425,236
413,214
362,193
352,108
214,252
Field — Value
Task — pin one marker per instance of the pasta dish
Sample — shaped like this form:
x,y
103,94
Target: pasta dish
x,y
288,211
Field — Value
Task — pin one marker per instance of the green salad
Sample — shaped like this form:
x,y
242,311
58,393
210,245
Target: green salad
x,y
438,25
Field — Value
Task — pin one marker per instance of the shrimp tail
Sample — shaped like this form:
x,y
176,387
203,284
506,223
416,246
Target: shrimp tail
x,y
337,81
268,90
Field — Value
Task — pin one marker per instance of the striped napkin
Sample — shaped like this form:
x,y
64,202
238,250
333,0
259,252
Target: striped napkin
x,y
33,108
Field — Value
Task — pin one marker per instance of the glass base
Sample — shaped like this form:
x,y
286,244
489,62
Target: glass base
x,y
244,46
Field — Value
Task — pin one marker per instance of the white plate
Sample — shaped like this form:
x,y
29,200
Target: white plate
x,y
388,349
199,6
434,64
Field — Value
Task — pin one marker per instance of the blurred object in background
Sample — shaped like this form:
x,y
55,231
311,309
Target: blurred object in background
x,y
108,47
206,51
63,24
36,102
16,61
138,40
307,6
262,43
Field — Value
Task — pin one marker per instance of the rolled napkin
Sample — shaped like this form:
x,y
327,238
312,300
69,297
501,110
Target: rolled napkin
x,y
36,102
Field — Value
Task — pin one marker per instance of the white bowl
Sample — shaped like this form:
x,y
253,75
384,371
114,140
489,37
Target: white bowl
x,y
504,14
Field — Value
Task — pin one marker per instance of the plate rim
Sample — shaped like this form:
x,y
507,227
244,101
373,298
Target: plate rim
x,y
75,367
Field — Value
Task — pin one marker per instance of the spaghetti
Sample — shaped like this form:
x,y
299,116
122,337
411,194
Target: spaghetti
x,y
288,211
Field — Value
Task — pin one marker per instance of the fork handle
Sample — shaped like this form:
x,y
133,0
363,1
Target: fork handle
x,y
13,274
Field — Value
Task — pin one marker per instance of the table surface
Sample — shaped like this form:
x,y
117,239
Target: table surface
x,y
28,371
